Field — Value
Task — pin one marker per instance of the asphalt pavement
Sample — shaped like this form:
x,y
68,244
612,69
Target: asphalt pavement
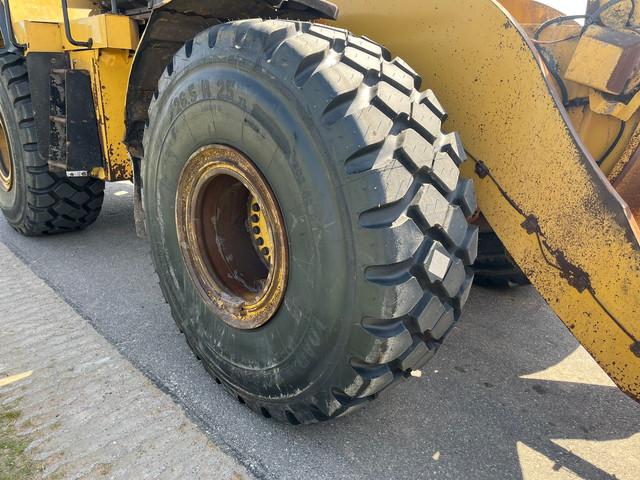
x,y
510,395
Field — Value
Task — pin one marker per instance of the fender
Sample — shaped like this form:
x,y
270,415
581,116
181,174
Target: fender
x,y
173,22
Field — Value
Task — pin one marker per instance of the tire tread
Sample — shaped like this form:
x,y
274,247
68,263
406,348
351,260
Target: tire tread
x,y
55,203
357,86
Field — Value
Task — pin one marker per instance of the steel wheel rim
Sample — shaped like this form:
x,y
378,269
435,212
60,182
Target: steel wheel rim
x,y
217,190
6,162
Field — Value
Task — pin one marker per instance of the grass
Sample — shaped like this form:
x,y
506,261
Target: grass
x,y
15,464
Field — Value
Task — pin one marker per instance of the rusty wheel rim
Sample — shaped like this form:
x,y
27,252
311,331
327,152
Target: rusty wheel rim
x,y
232,236
6,162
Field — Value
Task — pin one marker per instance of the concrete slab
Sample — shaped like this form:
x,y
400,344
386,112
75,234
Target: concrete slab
x,y
81,409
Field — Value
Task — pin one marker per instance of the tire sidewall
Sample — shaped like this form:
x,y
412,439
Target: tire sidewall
x,y
13,202
293,350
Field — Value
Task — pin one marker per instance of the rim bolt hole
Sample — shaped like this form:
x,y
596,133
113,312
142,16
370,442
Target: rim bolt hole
x,y
256,230
265,251
260,241
255,218
255,207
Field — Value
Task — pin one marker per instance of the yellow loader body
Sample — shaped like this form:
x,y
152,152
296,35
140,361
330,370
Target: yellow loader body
x,y
114,39
533,160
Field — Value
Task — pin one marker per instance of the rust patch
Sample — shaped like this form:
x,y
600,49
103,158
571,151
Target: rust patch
x,y
218,192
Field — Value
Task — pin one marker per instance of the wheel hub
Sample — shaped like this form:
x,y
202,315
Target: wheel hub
x,y
260,231
6,163
232,236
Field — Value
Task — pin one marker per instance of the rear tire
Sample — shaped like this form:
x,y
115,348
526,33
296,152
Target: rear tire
x,y
494,267
36,201
369,190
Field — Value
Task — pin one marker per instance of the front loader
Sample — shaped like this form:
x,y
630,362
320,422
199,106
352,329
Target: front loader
x,y
313,226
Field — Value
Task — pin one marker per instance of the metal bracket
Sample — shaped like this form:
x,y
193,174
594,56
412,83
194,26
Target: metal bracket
x,y
67,29
77,173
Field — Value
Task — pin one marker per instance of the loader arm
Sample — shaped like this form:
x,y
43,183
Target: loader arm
x,y
540,189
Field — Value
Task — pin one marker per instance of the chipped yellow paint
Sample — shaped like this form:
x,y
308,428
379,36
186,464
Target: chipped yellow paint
x,y
39,25
487,75
623,111
109,70
594,61
6,381
259,221
598,125
99,172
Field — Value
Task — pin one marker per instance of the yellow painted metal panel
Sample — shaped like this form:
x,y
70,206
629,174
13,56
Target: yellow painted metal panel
x,y
48,11
623,111
109,71
595,61
583,255
530,11
599,132
43,36
106,31
115,37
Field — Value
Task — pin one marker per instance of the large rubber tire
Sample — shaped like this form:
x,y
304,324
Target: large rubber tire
x,y
369,188
39,202
494,267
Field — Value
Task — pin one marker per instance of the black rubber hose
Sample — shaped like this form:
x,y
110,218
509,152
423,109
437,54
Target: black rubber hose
x,y
615,143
